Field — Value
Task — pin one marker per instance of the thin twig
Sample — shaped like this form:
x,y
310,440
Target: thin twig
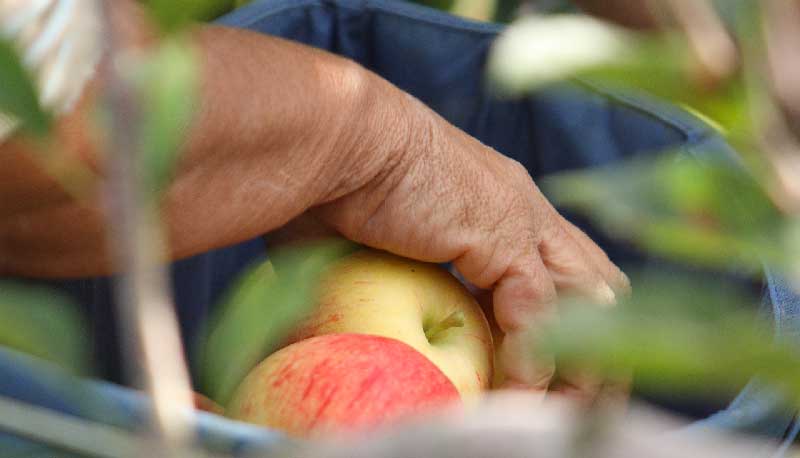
x,y
148,323
782,35
773,107
709,40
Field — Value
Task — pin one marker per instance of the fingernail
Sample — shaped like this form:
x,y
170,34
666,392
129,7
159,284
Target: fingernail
x,y
625,285
606,295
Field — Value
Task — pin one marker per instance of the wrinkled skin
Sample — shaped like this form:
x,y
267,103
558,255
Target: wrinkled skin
x,y
287,133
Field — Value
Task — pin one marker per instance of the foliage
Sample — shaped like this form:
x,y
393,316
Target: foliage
x,y
43,323
18,94
680,334
440,4
712,212
707,212
258,312
168,83
172,15
533,55
674,332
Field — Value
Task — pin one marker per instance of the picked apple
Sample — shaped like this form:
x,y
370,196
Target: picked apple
x,y
205,404
421,304
340,383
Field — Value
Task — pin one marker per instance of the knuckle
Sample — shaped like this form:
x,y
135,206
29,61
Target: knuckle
x,y
517,170
521,364
516,167
530,298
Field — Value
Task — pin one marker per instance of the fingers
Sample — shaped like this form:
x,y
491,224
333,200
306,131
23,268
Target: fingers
x,y
612,274
568,262
523,368
524,294
591,389
579,266
572,269
524,300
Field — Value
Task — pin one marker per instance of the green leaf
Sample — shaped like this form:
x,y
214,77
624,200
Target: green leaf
x,y
172,15
259,312
18,94
481,10
43,323
677,335
710,212
170,88
537,52
439,4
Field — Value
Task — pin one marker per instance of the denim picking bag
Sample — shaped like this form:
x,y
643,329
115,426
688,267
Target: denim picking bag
x,y
440,59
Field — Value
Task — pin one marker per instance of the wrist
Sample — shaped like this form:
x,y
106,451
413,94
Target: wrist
x,y
382,131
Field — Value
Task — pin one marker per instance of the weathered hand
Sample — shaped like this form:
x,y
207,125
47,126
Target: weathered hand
x,y
284,129
447,197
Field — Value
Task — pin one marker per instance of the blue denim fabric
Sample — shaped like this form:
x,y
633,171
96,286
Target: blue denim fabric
x,y
439,59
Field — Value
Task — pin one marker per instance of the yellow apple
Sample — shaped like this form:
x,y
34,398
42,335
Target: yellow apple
x,y
421,304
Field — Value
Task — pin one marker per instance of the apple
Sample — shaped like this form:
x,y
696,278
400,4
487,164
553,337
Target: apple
x,y
205,404
340,383
421,304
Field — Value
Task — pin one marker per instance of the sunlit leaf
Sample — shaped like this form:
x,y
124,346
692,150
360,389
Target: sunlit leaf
x,y
169,84
539,51
678,335
18,94
706,212
171,15
260,311
482,10
439,4
669,77
43,323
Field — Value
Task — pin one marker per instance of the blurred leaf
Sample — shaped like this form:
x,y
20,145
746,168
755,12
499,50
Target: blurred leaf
x,y
259,312
43,323
539,51
708,212
724,106
439,4
504,10
18,94
170,88
507,10
172,15
677,334
480,10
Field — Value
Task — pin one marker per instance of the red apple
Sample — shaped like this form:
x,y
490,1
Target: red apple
x,y
341,383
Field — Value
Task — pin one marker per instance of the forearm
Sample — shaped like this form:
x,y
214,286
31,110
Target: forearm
x,y
281,127
285,127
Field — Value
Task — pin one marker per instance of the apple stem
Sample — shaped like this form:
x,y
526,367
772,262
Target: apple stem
x,y
454,320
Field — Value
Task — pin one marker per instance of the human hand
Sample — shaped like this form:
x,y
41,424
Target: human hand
x,y
445,197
